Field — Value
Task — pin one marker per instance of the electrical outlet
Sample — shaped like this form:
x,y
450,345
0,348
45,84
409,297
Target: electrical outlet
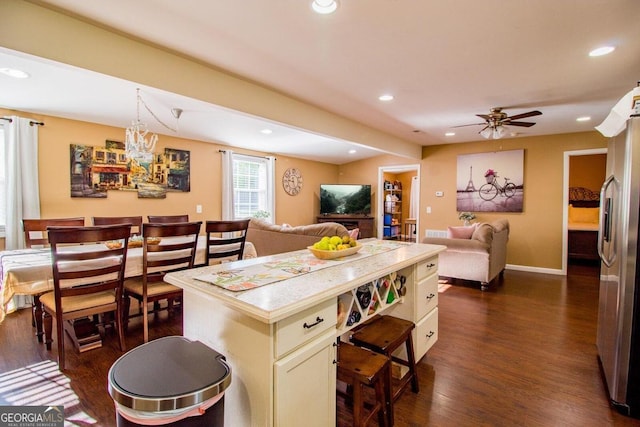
x,y
198,208
439,193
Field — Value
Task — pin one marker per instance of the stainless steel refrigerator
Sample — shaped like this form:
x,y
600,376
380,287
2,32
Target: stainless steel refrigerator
x,y
618,336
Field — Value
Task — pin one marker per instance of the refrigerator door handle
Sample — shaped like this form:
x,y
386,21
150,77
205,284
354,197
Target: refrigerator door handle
x,y
604,229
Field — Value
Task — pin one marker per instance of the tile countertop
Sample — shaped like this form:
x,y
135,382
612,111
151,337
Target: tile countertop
x,y
276,301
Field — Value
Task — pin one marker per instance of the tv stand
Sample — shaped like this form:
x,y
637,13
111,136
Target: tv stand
x,y
363,222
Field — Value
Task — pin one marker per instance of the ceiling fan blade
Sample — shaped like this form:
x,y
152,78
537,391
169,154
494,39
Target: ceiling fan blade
x,y
484,116
472,124
523,124
525,115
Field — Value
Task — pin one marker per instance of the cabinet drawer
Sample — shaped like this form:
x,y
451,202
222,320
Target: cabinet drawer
x,y
296,330
426,296
426,333
427,267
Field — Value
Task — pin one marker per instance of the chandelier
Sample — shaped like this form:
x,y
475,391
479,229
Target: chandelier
x,y
140,142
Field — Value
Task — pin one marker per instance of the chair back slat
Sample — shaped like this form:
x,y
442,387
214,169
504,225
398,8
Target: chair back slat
x,y
169,255
227,237
94,260
167,219
35,230
135,221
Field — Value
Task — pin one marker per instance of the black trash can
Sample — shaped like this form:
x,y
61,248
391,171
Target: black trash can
x,y
170,381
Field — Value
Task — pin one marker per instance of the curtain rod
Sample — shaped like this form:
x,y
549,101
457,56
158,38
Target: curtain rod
x,y
31,123
249,155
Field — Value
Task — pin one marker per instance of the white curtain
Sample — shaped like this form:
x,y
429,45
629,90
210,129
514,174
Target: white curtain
x,y
21,170
227,185
21,181
414,202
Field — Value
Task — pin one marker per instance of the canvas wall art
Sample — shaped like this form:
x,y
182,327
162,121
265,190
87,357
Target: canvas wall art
x,y
97,170
490,182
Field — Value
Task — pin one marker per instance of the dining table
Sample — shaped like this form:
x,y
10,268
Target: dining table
x,y
30,272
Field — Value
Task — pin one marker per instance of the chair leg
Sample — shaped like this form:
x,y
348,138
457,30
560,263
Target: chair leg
x,y
383,417
60,336
126,306
415,387
145,318
47,322
357,405
37,316
119,319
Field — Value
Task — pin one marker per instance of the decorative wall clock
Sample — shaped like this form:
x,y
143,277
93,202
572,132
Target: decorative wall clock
x,y
292,181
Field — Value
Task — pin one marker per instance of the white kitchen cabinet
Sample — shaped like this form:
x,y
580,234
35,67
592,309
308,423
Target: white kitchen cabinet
x,y
301,383
279,338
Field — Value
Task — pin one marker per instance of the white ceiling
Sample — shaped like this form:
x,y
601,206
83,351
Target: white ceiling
x,y
444,62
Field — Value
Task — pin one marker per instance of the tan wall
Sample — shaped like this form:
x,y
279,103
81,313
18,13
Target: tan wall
x,y
54,178
536,233
587,171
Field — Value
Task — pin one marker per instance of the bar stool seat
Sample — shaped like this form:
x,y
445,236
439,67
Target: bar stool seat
x,y
359,367
385,334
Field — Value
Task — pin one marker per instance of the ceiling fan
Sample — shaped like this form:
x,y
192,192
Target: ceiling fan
x,y
496,120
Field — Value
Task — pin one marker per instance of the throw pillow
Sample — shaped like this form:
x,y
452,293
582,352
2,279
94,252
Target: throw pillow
x,y
483,233
353,234
590,215
461,232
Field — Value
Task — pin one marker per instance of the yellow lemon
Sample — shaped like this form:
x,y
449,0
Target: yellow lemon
x,y
335,240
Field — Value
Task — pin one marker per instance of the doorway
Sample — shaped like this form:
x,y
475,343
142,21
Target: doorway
x,y
398,202
584,173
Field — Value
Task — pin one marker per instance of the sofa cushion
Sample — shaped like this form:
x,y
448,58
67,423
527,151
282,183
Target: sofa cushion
x,y
483,233
461,232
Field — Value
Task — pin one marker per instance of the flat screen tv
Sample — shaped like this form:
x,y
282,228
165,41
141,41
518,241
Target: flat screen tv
x,y
345,199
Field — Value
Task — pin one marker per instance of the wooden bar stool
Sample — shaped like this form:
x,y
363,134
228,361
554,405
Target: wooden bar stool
x,y
359,367
384,335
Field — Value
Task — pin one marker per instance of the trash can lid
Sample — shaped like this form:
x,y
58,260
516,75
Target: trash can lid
x,y
167,374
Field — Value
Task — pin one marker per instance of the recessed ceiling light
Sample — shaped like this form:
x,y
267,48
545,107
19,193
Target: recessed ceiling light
x,y
324,7
604,50
12,72
449,134
266,131
352,151
583,119
386,97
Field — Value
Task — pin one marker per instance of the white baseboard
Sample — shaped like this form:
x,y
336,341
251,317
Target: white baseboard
x,y
530,269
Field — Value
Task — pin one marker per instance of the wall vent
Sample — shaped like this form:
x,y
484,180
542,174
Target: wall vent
x,y
435,233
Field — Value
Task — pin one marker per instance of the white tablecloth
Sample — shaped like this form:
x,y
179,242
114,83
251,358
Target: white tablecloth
x,y
29,272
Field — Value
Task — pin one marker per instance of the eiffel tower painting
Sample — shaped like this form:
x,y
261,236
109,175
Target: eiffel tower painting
x,y
470,186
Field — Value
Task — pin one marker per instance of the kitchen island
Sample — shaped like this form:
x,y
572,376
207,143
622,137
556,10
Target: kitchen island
x,y
279,339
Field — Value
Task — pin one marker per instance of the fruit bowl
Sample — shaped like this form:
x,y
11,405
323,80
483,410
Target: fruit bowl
x,y
319,253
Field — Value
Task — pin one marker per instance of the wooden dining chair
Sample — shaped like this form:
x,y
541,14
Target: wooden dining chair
x,y
35,235
86,282
135,221
167,219
226,239
35,230
176,250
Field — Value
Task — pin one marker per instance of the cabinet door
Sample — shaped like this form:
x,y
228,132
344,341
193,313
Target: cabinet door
x,y
305,385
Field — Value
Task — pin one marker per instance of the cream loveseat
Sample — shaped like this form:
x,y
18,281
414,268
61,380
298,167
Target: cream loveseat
x,y
269,239
480,258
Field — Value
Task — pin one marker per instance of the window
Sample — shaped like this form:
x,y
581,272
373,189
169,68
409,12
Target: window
x,y
3,193
252,186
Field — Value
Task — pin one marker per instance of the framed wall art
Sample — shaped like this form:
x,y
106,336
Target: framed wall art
x,y
490,182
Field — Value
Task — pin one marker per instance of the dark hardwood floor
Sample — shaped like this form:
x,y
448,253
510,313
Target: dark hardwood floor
x,y
520,354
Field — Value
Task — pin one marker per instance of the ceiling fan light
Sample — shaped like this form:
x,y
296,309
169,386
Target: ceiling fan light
x,y
486,132
499,132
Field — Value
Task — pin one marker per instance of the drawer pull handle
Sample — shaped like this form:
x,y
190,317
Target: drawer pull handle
x,y
318,320
430,334
431,265
430,296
